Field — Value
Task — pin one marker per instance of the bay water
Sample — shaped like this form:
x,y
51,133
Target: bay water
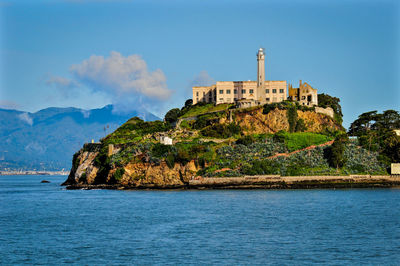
x,y
42,223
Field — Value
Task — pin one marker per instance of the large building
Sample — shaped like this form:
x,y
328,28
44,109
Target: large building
x,y
245,93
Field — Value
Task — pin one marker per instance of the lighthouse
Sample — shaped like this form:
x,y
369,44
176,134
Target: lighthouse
x,y
260,68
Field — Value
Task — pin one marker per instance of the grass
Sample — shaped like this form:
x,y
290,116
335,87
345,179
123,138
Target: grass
x,y
207,108
301,140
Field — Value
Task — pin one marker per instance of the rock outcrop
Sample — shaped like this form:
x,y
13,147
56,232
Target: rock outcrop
x,y
255,122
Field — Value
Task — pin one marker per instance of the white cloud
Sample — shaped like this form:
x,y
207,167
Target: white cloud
x,y
122,77
61,82
26,118
202,79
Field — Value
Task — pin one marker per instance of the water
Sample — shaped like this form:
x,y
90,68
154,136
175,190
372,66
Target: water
x,y
45,224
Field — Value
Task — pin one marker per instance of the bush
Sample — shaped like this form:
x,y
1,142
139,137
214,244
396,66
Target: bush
x,y
170,160
300,126
160,150
246,140
119,173
172,115
221,130
292,118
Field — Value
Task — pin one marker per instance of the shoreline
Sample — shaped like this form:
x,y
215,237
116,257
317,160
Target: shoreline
x,y
34,173
263,182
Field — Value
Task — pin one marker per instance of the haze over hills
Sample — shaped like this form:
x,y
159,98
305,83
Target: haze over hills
x,y
47,139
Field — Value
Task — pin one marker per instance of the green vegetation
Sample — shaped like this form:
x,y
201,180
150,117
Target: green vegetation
x,y
375,132
300,140
221,131
133,131
172,115
337,158
325,100
203,108
292,118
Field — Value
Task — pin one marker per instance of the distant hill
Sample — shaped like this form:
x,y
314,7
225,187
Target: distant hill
x,y
47,139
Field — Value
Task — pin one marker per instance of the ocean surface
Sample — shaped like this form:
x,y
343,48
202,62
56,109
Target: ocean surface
x,y
46,224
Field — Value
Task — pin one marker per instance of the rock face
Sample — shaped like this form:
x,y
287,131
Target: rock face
x,y
85,171
255,122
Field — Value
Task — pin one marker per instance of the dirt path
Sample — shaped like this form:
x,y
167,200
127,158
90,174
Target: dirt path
x,y
305,149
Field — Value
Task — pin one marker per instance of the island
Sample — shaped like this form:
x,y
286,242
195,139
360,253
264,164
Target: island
x,y
245,134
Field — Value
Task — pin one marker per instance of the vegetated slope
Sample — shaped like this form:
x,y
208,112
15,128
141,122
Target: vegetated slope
x,y
227,143
47,139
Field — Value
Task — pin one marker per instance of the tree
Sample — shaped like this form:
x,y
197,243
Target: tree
x,y
292,118
325,100
389,119
172,115
338,147
363,123
188,103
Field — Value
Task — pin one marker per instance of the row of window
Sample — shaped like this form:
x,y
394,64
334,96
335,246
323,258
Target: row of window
x,y
251,91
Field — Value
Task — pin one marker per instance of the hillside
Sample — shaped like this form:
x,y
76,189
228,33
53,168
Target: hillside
x,y
223,143
47,139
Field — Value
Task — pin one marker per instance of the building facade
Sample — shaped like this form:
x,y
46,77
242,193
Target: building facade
x,y
251,93
304,94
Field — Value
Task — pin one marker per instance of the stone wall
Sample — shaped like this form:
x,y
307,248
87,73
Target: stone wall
x,y
327,111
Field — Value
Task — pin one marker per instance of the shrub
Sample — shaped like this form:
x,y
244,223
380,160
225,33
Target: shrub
x,y
221,130
170,160
246,140
119,173
172,115
292,118
300,126
160,150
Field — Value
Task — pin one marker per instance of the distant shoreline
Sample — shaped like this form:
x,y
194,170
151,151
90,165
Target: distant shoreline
x,y
34,172
266,182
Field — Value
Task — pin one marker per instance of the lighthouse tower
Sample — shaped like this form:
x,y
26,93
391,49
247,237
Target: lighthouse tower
x,y
260,68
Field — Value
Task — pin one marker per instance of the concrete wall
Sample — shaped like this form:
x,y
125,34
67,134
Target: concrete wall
x,y
327,111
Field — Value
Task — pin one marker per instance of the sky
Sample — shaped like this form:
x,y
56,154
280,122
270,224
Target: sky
x,y
148,54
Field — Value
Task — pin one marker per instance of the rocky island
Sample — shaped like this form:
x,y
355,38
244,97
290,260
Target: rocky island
x,y
277,145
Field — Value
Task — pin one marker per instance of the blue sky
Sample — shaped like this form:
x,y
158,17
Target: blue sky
x,y
48,49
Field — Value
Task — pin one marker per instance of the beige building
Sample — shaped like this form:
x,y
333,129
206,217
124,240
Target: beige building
x,y
244,93
304,94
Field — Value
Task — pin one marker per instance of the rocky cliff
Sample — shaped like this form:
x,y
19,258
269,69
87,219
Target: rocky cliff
x,y
255,122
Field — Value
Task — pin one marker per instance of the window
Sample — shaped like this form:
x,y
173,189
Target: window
x,y
228,100
267,91
209,99
197,93
221,99
303,97
228,91
235,91
274,99
273,90
243,91
267,99
235,99
251,91
197,99
280,90
204,93
221,91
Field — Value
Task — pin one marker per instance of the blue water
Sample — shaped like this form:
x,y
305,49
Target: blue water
x,y
45,224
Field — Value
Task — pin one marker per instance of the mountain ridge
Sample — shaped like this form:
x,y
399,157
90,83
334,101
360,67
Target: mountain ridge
x,y
46,139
